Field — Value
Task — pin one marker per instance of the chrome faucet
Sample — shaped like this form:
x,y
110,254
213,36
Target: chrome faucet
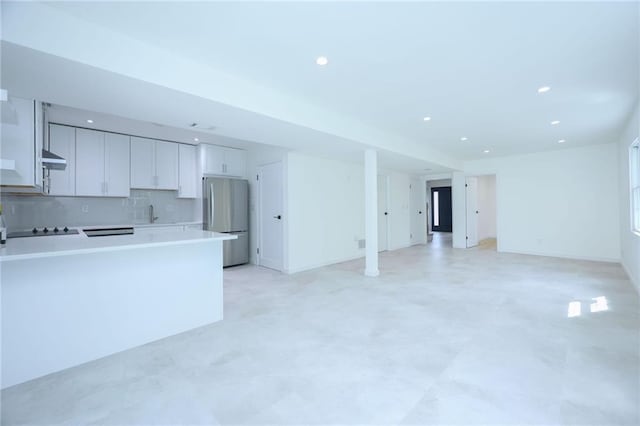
x,y
152,218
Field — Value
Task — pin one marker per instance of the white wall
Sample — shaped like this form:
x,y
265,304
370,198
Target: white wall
x,y
563,203
325,212
630,242
486,207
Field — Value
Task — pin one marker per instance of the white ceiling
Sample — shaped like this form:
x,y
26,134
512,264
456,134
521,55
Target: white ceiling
x,y
473,67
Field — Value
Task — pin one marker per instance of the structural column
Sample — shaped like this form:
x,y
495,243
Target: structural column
x,y
371,211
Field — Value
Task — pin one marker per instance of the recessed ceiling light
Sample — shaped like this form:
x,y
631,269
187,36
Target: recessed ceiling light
x,y
196,139
322,60
89,121
554,122
464,138
544,89
427,118
561,141
486,151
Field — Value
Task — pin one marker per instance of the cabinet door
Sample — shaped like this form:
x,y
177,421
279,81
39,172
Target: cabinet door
x,y
235,162
166,165
213,160
143,170
187,171
89,163
62,141
116,163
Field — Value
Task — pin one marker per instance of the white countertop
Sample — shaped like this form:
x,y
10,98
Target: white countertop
x,y
35,247
159,225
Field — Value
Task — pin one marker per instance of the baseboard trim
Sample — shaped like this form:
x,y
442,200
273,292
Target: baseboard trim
x,y
323,264
334,261
635,283
564,256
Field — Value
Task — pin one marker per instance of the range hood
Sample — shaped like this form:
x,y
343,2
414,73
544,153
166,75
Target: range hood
x,y
52,161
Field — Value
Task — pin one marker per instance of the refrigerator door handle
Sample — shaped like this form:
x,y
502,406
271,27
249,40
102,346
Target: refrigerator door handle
x,y
211,204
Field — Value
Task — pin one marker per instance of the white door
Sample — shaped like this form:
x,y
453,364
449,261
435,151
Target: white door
x,y
116,164
270,216
383,213
417,207
472,211
90,163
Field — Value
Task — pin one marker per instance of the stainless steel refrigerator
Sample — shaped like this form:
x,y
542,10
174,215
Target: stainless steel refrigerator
x,y
226,209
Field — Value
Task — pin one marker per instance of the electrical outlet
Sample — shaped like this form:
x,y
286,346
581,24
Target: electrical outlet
x,y
85,209
362,244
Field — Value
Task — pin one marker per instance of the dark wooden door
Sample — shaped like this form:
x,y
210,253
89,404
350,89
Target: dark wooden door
x,y
441,215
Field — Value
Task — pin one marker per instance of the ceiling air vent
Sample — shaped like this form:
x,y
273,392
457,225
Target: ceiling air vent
x,y
201,126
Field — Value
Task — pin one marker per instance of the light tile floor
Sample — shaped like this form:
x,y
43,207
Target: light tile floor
x,y
443,336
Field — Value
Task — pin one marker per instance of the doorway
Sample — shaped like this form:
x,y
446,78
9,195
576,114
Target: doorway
x,y
270,253
480,206
441,212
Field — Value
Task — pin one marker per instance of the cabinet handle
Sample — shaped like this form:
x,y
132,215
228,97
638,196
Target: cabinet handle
x,y
106,187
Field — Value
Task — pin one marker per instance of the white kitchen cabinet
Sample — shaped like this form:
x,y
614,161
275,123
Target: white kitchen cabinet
x,y
20,151
166,165
116,164
219,160
89,162
235,162
154,164
143,168
102,164
62,141
187,171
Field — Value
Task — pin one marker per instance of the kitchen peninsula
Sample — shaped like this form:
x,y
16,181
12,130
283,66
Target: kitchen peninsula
x,y
71,299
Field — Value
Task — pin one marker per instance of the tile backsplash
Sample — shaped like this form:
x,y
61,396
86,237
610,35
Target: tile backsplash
x,y
26,211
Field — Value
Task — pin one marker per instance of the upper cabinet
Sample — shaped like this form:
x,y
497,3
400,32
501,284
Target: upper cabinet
x,y
187,171
102,164
218,160
116,164
20,151
154,164
62,141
